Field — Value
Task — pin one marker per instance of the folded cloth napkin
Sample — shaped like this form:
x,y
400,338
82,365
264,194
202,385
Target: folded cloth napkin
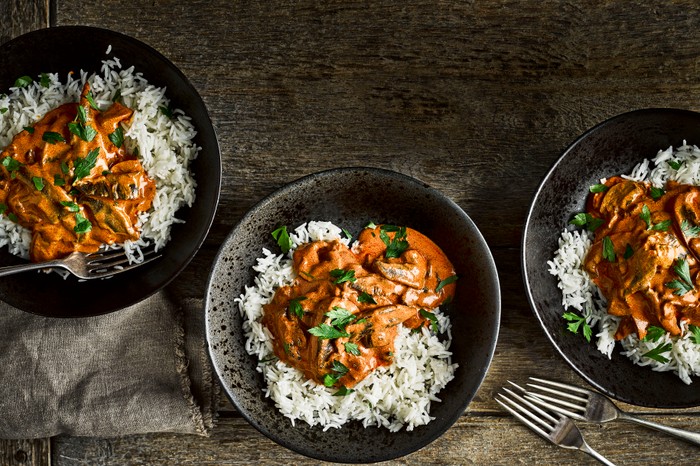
x,y
141,369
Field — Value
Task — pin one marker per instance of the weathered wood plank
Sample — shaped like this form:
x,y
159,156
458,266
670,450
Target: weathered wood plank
x,y
19,17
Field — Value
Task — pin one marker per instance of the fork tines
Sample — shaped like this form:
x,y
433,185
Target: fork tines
x,y
576,406
116,261
535,418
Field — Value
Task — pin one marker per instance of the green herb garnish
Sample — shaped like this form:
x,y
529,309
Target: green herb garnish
x,y
352,348
167,111
365,298
338,370
58,180
586,220
327,332
23,81
117,95
85,165
295,306
347,234
689,230
12,216
371,225
4,110
341,276
81,116
445,282
676,165
654,333
52,137
91,101
82,225
3,208
84,132
11,164
343,391
598,188
575,322
646,215
656,355
29,129
282,238
684,284
396,246
44,80
38,182
608,249
431,318
656,193
117,137
629,252
662,226
71,206
340,317
695,337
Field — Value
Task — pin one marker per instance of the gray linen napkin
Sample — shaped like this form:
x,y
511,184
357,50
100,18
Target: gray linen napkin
x,y
138,370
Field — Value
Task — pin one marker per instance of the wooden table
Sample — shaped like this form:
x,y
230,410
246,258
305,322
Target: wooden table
x,y
476,98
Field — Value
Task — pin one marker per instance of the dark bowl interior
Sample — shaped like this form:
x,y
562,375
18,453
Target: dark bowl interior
x,y
613,147
72,48
350,198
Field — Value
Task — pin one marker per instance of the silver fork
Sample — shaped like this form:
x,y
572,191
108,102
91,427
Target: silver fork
x,y
101,264
588,405
558,429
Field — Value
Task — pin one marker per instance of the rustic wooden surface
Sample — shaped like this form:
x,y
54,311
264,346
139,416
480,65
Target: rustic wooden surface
x,y
477,99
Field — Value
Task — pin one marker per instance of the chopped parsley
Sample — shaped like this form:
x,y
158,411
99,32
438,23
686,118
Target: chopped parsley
x,y
71,206
29,129
343,391
4,110
82,225
11,164
327,332
282,238
85,165
52,137
167,111
575,322
58,180
341,276
117,95
91,101
82,114
117,137
654,333
675,164
3,208
396,246
44,80
295,306
656,355
629,252
608,249
598,188
340,317
365,298
85,132
431,318
656,193
695,337
347,234
445,282
38,182
689,230
586,220
352,348
23,81
371,225
684,283
338,370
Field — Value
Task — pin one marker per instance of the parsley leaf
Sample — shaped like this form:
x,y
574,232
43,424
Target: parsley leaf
x,y
4,110
117,137
575,322
84,132
11,164
608,249
23,81
685,284
695,337
445,282
91,101
29,129
282,238
646,215
84,166
44,80
82,114
676,165
295,306
117,95
586,220
82,225
629,252
167,111
340,317
71,206
38,182
689,230
52,137
396,246
654,333
662,226
656,355
598,188
339,369
3,208
656,193
371,225
365,298
341,276
343,391
327,332
347,234
58,180
431,318
352,348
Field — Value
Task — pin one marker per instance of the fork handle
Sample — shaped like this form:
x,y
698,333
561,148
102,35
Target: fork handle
x,y
11,269
692,437
587,449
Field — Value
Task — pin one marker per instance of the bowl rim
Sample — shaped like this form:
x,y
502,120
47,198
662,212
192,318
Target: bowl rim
x,y
493,279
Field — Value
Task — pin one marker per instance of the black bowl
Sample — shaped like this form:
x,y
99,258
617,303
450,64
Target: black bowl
x,y
350,198
72,48
611,148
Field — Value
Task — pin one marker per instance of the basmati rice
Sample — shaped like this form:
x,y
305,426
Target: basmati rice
x,y
164,145
580,293
394,397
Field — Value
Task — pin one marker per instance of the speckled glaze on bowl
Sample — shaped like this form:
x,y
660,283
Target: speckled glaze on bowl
x,y
613,147
350,198
74,48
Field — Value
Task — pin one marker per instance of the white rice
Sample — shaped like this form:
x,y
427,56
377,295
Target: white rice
x,y
580,293
165,146
393,397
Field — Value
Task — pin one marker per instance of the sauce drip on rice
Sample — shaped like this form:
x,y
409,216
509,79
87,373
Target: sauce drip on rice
x,y
338,320
645,257
70,180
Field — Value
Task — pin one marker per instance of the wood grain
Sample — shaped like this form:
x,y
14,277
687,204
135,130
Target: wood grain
x,y
477,99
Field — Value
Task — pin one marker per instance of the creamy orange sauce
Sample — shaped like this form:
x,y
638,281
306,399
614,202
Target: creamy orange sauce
x,y
650,238
74,192
398,289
